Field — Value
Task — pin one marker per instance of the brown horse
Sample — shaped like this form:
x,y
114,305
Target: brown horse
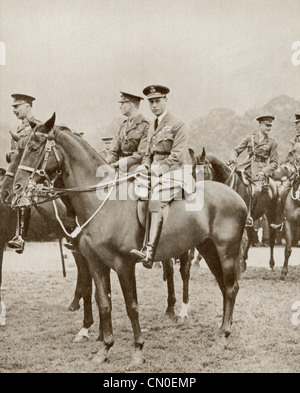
x,y
264,202
212,220
45,215
291,210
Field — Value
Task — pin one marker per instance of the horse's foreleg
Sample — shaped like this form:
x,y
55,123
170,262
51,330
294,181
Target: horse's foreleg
x,y
287,249
128,285
169,277
272,237
101,275
185,268
75,305
84,282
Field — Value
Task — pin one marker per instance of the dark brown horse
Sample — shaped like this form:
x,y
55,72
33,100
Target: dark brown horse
x,y
45,214
291,209
264,202
212,220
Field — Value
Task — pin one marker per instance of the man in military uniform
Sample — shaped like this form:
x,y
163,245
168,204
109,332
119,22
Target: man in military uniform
x,y
129,145
107,142
295,140
262,159
285,184
22,108
166,153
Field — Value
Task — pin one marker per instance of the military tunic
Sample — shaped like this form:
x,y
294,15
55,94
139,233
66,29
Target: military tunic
x,y
293,141
130,142
167,148
262,155
23,130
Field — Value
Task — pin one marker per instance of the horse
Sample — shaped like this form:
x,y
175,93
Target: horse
x,y
168,269
291,208
212,220
264,203
46,214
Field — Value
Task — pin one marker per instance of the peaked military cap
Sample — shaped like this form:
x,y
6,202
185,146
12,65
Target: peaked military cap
x,y
265,118
128,97
22,99
156,91
297,118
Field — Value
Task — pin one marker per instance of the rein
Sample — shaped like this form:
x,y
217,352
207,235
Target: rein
x,y
52,193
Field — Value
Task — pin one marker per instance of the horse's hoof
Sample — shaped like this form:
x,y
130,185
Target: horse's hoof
x,y
170,315
282,278
182,320
74,307
100,358
80,339
136,362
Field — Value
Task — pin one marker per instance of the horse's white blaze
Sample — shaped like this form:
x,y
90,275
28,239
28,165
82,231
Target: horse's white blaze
x,y
184,310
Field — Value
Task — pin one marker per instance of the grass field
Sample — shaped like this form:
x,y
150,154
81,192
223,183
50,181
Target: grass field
x,y
39,331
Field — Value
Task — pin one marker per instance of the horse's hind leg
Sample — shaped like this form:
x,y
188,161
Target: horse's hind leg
x,y
168,270
185,268
225,270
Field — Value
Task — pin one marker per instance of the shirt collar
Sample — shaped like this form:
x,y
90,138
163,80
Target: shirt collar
x,y
160,117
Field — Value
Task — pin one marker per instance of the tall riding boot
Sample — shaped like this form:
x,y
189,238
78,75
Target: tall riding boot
x,y
154,235
18,242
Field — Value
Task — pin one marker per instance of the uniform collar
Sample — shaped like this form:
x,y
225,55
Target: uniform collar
x,y
162,116
131,123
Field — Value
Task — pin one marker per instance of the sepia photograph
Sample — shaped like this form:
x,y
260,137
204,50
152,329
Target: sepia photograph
x,y
149,189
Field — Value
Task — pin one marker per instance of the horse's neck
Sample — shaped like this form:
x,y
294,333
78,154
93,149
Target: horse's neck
x,y
222,171
80,161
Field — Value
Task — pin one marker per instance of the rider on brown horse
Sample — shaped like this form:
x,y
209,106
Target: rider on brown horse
x,y
262,158
129,145
22,108
166,153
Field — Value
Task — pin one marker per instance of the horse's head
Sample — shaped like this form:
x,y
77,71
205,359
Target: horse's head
x,y
40,158
201,166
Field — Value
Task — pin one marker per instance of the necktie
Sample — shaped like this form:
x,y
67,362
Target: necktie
x,y
155,123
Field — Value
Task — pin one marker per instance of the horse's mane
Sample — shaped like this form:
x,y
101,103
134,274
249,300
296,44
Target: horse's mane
x,y
96,156
220,168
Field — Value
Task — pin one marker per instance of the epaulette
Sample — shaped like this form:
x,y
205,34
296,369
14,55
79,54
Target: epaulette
x,y
146,120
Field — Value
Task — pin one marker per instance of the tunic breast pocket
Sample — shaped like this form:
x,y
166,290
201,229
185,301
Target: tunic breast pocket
x,y
135,134
166,139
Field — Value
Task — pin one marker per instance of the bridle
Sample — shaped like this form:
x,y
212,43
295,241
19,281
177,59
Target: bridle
x,y
50,193
40,166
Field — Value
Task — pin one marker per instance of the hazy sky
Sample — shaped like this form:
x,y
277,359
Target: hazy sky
x,y
75,56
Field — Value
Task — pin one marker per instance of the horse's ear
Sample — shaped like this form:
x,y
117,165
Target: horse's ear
x,y
15,136
192,153
49,124
292,142
203,155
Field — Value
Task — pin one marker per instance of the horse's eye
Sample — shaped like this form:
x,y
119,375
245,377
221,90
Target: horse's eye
x,y
33,148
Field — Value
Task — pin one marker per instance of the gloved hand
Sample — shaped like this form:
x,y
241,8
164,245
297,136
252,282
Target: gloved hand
x,y
142,169
261,176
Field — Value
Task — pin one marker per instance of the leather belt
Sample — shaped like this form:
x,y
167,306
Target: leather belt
x,y
126,154
161,155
